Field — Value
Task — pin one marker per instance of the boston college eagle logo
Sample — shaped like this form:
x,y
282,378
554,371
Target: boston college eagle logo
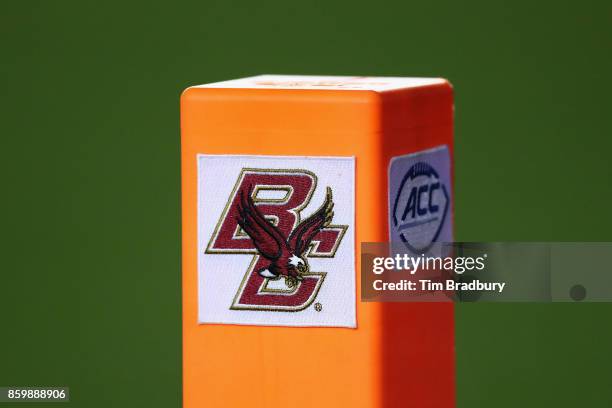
x,y
263,219
286,254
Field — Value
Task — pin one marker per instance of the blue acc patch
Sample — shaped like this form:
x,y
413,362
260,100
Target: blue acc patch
x,y
420,199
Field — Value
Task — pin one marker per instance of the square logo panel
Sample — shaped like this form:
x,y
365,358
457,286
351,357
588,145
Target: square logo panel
x,y
276,240
420,199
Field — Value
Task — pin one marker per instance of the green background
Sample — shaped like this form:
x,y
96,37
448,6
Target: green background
x,y
90,266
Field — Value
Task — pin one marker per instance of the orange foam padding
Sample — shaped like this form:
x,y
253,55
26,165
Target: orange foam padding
x,y
400,354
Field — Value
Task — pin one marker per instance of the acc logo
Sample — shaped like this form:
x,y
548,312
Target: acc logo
x,y
272,232
420,207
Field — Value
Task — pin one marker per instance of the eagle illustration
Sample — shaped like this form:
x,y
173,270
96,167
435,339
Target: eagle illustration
x,y
286,255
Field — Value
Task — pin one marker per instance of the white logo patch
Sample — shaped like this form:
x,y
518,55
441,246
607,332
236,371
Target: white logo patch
x,y
276,240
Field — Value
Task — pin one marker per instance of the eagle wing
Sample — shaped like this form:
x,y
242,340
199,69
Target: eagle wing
x,y
265,236
301,237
